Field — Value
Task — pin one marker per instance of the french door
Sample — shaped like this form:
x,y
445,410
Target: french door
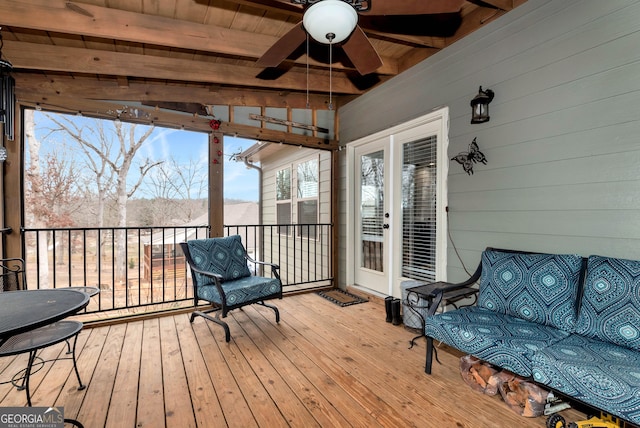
x,y
399,199
373,217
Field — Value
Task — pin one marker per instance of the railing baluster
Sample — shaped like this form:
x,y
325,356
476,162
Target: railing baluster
x,y
53,270
38,259
69,254
113,267
99,256
303,265
126,259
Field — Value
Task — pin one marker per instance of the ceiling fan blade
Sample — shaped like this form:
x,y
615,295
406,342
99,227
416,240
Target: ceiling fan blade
x,y
413,7
284,47
361,52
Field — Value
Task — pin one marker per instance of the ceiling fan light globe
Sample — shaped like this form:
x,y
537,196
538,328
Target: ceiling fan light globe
x,y
330,21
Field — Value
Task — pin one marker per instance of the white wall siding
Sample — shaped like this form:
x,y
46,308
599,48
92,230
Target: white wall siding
x,y
292,254
563,143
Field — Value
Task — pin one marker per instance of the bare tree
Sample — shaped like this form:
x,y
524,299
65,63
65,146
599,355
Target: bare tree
x,y
111,151
172,183
102,175
58,196
51,194
33,191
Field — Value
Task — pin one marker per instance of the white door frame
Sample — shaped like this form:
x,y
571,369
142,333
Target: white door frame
x,y
411,127
377,278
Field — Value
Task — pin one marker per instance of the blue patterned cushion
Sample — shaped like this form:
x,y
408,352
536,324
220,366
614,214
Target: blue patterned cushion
x,y
603,375
497,338
224,256
540,288
246,289
611,302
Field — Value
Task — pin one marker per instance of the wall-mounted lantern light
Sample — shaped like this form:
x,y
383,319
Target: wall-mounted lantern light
x,y
480,106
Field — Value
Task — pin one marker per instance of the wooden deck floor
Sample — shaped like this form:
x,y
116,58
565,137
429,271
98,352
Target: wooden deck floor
x,y
323,365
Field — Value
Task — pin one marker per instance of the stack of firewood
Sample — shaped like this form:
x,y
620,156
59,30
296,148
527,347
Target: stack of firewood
x,y
481,376
523,397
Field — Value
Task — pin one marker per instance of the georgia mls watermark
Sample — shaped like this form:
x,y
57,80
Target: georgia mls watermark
x,y
31,417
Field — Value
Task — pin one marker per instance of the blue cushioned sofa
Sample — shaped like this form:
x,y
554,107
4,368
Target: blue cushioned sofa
x,y
569,323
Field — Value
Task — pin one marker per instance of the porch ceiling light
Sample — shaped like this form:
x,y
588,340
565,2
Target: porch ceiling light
x,y
330,21
480,106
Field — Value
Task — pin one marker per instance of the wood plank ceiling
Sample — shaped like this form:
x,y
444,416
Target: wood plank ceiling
x,y
205,51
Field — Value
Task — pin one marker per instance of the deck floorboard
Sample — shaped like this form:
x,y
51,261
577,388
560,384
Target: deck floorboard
x,y
322,365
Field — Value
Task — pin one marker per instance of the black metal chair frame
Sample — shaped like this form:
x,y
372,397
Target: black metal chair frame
x,y
12,277
12,274
35,340
221,311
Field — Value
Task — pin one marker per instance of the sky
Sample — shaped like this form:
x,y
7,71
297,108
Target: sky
x,y
183,146
240,182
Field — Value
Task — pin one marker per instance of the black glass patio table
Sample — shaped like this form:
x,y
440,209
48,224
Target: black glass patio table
x,y
22,311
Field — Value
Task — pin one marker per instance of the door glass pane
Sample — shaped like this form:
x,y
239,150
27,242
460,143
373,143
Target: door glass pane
x,y
372,210
419,209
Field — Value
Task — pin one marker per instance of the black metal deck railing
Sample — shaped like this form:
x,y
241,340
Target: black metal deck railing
x,y
140,269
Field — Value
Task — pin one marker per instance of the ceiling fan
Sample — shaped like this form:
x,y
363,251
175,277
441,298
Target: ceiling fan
x,y
336,22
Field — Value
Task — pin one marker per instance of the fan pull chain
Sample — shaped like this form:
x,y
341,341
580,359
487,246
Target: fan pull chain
x,y
330,75
308,104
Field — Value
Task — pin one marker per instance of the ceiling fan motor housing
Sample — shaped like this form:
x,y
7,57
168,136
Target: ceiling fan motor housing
x,y
330,21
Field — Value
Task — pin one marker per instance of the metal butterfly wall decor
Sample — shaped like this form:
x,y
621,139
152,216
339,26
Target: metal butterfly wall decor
x,y
467,159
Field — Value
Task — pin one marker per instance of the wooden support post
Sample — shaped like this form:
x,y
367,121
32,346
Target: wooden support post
x,y
12,190
216,184
335,190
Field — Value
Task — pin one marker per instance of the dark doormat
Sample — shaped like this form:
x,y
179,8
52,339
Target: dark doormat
x,y
341,298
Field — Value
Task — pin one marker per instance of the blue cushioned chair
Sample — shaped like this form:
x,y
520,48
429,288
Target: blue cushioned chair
x,y
221,277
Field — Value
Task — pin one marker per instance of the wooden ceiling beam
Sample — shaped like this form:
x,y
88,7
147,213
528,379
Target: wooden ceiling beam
x,y
109,89
476,18
505,5
34,56
68,17
278,6
151,116
417,41
415,56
